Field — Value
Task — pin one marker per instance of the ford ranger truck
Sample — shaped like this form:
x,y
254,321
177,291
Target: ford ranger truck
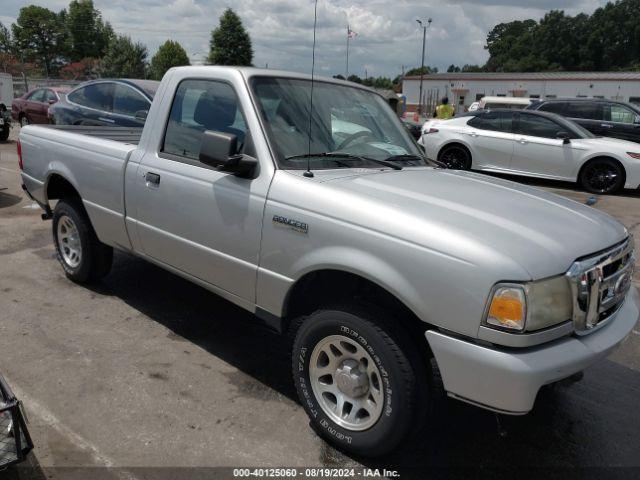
x,y
326,221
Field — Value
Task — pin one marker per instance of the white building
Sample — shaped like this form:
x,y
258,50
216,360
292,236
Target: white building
x,y
466,88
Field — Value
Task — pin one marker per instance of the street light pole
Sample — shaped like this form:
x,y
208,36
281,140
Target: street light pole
x,y
424,41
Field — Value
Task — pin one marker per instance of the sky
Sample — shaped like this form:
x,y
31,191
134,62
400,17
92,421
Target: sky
x,y
388,36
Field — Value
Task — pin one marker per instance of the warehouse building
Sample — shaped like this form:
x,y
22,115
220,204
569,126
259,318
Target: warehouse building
x,y
465,88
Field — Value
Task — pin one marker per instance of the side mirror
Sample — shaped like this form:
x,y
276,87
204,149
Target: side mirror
x,y
141,115
219,150
564,136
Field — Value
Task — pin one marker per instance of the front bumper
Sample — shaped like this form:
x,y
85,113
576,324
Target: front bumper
x,y
508,380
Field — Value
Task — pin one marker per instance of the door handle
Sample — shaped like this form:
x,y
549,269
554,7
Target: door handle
x,y
109,120
472,134
153,179
606,125
523,141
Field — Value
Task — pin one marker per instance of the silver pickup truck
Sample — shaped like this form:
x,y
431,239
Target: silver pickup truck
x,y
387,272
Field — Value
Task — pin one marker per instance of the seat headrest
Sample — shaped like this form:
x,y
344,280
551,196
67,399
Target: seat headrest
x,y
215,113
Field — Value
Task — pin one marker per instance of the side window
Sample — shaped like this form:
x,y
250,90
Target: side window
x,y
37,96
553,107
201,105
536,126
98,96
50,95
495,121
619,113
585,110
127,101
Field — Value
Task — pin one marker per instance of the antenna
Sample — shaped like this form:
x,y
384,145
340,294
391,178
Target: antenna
x,y
309,173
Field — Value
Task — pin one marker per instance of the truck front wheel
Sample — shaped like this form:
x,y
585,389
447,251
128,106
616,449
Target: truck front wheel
x,y
360,381
82,256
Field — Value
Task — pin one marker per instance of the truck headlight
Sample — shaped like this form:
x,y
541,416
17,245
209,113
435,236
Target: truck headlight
x,y
549,302
530,306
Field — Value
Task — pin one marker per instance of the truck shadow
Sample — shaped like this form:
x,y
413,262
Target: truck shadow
x,y
8,199
593,423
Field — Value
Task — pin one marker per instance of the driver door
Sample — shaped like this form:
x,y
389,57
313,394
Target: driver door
x,y
193,217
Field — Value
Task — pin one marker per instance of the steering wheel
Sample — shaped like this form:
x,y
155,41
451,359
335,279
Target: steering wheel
x,y
352,137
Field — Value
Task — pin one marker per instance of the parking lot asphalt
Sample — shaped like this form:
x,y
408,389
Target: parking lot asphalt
x,y
148,370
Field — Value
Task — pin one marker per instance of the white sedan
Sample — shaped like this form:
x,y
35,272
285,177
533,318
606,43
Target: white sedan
x,y
535,144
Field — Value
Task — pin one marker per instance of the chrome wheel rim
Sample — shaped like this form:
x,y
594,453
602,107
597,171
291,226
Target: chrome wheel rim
x,y
346,383
69,241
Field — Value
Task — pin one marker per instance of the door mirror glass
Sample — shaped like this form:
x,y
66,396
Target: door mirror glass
x,y
564,136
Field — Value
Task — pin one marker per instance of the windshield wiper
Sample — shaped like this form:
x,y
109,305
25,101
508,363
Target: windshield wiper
x,y
349,156
409,157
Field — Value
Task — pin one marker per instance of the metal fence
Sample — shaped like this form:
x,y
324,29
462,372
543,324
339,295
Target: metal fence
x,y
22,85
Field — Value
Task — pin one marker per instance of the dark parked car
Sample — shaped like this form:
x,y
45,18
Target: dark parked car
x,y
606,118
106,102
32,107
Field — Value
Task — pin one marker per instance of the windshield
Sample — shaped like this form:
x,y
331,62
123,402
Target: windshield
x,y
357,128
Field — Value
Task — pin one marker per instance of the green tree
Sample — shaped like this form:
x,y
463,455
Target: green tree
x,y
170,54
472,68
511,47
453,68
609,39
613,40
426,70
378,82
6,41
124,59
89,36
41,35
230,43
354,78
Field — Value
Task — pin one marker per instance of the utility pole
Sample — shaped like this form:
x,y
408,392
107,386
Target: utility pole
x,y
424,41
348,38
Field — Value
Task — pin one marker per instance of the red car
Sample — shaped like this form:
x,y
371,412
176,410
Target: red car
x,y
32,107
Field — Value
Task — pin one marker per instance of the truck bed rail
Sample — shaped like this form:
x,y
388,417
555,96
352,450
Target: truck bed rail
x,y
128,135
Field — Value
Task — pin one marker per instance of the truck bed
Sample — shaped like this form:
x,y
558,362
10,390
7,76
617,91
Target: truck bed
x,y
128,135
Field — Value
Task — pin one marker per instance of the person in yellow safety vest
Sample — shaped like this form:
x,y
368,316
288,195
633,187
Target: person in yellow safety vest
x,y
444,110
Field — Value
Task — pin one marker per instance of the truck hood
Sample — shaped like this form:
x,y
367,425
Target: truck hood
x,y
466,214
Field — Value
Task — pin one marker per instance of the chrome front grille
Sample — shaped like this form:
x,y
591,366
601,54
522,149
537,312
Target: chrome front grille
x,y
600,284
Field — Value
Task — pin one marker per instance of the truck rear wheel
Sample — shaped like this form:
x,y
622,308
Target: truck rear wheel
x,y
82,256
4,133
360,381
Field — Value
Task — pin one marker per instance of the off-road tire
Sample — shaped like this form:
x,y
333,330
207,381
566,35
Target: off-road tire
x,y
406,383
96,258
